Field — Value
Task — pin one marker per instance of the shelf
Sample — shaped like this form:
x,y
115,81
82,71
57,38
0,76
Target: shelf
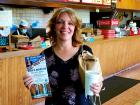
x,y
77,5
43,3
1,27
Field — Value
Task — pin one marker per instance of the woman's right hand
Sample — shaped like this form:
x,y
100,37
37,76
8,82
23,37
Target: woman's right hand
x,y
28,81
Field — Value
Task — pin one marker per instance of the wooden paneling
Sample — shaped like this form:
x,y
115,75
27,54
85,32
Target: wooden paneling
x,y
129,4
137,3
12,70
12,89
117,54
114,54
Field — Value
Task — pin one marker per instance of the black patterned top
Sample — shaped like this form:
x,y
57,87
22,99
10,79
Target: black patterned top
x,y
64,79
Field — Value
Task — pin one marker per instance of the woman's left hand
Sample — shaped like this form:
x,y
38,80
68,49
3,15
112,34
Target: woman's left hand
x,y
96,88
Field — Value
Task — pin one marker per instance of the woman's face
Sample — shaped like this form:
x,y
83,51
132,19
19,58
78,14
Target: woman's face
x,y
64,27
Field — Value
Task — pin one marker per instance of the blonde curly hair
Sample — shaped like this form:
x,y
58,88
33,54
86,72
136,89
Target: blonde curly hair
x,y
76,38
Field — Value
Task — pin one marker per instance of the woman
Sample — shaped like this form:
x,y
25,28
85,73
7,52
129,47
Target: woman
x,y
62,60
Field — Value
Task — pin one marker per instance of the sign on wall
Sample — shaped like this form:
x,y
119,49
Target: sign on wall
x,y
97,1
73,0
87,1
106,2
6,18
100,2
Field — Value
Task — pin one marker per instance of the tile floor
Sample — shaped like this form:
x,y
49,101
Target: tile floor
x,y
132,95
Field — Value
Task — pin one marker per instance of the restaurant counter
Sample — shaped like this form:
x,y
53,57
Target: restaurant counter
x,y
114,54
117,53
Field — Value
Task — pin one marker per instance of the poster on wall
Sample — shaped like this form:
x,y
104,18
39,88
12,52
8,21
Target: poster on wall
x,y
6,18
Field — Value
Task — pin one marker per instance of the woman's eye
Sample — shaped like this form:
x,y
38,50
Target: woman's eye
x,y
59,22
70,23
63,22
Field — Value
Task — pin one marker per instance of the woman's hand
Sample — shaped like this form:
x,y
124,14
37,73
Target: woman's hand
x,y
28,81
96,88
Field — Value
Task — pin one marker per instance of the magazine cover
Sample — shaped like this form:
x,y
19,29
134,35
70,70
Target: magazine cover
x,y
37,69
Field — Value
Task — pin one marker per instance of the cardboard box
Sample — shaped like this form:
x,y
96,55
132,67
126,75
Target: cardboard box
x,y
36,42
19,38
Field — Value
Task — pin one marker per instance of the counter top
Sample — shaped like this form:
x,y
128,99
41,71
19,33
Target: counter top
x,y
98,40
116,54
20,53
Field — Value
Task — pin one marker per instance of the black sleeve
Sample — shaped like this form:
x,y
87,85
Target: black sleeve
x,y
48,101
87,48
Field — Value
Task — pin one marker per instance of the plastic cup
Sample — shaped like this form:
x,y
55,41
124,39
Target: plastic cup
x,y
90,78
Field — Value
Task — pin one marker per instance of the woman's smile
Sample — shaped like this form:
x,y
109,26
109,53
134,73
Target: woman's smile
x,y
64,27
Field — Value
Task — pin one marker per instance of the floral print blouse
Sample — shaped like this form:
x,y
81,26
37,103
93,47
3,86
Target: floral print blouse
x,y
64,78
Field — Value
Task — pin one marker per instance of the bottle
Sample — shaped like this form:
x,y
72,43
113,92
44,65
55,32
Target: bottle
x,y
43,43
131,32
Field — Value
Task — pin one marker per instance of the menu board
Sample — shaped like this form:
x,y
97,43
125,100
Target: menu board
x,y
87,1
100,2
73,0
58,0
92,1
114,1
66,0
97,1
106,2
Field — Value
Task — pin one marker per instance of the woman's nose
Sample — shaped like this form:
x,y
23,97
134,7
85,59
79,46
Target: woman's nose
x,y
65,24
